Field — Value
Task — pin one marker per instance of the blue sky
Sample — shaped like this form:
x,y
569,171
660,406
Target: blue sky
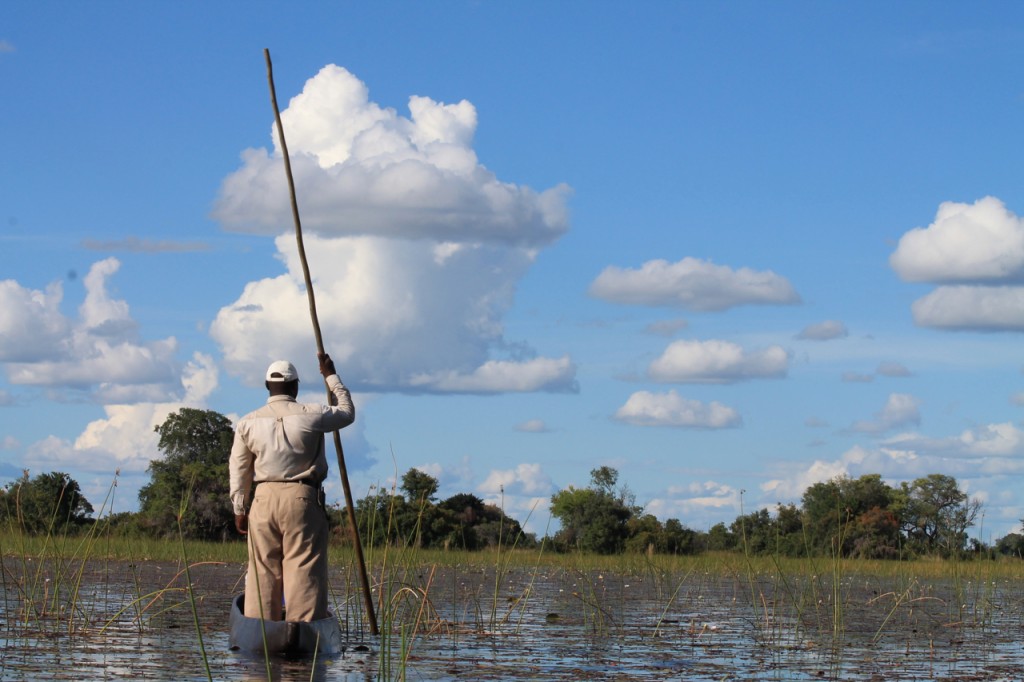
x,y
730,249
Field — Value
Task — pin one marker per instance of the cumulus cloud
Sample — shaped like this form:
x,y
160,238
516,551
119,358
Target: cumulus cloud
x,y
692,284
99,352
979,242
717,362
792,487
31,324
494,376
644,408
999,308
416,249
524,479
975,252
901,409
695,500
857,378
124,438
824,331
362,169
986,440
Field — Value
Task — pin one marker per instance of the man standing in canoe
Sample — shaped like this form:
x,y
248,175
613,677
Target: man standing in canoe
x,y
280,447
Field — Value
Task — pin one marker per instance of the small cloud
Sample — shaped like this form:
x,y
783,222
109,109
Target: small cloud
x,y
824,331
6,46
532,426
857,378
644,408
717,362
893,369
136,245
815,423
497,376
1017,399
666,328
692,284
900,409
525,479
9,443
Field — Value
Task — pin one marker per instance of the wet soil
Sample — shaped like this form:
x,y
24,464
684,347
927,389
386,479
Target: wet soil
x,y
115,620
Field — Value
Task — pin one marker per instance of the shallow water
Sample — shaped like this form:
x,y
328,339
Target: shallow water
x,y
134,622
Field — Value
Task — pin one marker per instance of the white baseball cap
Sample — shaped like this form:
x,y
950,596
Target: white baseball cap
x,y
282,370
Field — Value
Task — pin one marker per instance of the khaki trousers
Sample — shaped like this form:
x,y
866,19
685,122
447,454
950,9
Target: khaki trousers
x,y
287,554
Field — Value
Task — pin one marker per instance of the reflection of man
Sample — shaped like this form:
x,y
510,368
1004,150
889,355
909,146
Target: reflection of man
x,y
281,447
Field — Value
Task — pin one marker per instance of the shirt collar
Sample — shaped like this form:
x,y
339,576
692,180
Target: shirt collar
x,y
280,399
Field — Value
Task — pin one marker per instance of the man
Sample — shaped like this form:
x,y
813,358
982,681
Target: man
x,y
280,447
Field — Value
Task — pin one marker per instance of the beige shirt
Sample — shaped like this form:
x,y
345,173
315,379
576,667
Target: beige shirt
x,y
284,441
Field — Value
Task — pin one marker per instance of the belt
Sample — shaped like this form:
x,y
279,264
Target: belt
x,y
304,481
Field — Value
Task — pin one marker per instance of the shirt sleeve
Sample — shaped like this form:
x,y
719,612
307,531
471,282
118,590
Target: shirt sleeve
x,y
241,471
343,412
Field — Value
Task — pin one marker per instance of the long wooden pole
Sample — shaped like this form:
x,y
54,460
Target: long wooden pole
x,y
364,579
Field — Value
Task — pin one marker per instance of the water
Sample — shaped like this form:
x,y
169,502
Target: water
x,y
134,622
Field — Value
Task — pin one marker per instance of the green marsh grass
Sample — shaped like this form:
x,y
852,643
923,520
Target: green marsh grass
x,y
443,596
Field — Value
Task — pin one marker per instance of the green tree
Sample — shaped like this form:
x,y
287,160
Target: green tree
x,y
755,532
419,486
936,514
48,502
468,511
720,538
1011,544
848,516
196,445
594,519
678,539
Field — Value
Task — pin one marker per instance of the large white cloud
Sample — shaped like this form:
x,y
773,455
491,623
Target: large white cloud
x,y
716,362
644,408
692,284
361,169
979,242
395,315
415,256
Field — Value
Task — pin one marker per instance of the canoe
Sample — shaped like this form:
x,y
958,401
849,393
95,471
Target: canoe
x,y
322,637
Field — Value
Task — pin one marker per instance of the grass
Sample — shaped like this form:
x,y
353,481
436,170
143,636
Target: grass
x,y
786,604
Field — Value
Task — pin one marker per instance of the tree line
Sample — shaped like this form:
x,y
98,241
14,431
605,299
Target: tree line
x,y
187,493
